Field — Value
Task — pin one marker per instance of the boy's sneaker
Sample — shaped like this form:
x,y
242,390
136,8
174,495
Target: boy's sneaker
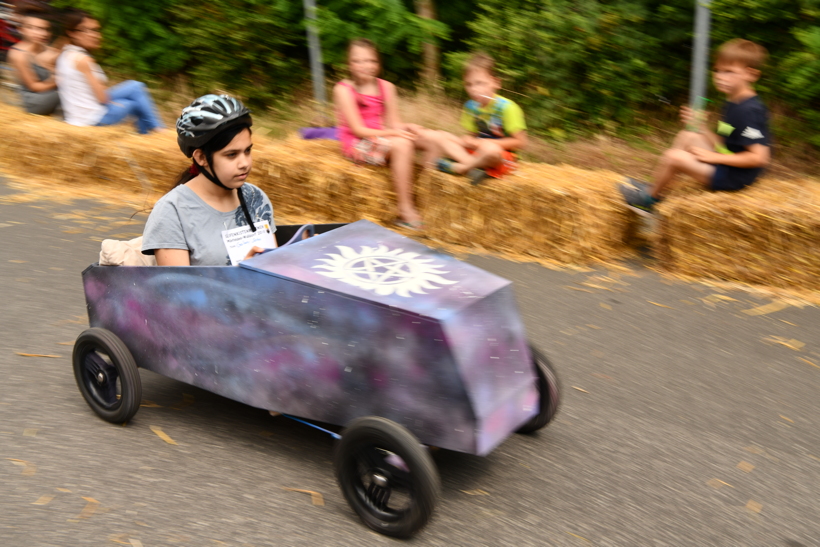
x,y
477,176
636,193
445,166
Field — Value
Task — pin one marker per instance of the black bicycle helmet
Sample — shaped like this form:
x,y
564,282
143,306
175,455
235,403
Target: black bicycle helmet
x,y
201,121
207,116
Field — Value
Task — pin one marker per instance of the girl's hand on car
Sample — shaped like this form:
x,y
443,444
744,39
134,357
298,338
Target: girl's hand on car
x,y
253,252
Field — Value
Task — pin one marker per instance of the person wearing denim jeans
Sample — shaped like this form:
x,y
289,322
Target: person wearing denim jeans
x,y
85,97
131,98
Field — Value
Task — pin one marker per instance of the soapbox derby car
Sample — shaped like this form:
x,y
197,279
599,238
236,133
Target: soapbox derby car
x,y
357,327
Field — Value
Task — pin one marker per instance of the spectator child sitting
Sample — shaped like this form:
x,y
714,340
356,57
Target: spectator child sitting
x,y
370,129
82,83
730,159
496,126
33,60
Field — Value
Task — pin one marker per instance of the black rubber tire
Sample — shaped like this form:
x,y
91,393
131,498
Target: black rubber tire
x,y
101,397
420,483
549,393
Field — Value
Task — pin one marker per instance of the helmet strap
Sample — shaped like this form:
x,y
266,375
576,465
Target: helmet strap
x,y
213,178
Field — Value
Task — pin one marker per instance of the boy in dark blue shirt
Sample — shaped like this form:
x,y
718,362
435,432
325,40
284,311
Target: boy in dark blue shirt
x,y
734,156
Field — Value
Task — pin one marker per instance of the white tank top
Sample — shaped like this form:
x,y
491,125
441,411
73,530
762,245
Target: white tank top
x,y
80,106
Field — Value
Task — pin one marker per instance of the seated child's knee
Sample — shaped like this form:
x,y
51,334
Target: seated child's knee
x,y
134,84
491,150
428,135
401,144
676,156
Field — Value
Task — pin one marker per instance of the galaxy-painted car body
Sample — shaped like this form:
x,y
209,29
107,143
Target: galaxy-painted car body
x,y
358,321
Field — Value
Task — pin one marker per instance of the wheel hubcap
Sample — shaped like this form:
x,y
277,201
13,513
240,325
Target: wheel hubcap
x,y
100,378
379,490
379,480
384,483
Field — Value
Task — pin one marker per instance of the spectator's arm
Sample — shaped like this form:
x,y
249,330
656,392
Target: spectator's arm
x,y
19,61
756,155
515,127
346,106
172,257
392,118
83,64
515,142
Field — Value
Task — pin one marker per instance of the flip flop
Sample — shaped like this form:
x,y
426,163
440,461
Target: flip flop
x,y
417,225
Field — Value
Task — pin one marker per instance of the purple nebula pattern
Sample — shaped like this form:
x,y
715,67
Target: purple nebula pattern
x,y
395,330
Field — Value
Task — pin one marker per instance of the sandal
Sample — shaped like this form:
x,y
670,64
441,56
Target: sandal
x,y
416,225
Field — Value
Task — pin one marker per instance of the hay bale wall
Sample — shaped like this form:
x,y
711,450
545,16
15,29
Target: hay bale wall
x,y
543,211
768,234
45,149
549,212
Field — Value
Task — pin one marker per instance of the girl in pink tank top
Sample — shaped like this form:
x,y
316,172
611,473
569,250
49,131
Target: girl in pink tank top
x,y
370,129
371,110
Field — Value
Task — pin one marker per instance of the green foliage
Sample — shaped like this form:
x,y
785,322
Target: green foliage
x,y
802,79
573,62
136,38
397,31
247,47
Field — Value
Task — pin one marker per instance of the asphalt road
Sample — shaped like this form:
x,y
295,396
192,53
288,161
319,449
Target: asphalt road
x,y
685,422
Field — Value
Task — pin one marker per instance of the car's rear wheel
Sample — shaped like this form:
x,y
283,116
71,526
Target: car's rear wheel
x,y
549,393
387,476
107,375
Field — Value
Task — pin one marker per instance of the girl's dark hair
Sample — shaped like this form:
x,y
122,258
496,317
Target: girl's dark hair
x,y
35,9
217,143
74,19
31,8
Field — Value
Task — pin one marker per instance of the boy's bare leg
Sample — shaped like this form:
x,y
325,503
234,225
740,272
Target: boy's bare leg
x,y
488,154
428,141
678,160
452,147
684,139
402,157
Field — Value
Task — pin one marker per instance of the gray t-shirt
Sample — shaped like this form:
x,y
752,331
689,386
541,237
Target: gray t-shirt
x,y
182,220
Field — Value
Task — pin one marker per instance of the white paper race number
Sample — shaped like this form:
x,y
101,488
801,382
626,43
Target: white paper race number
x,y
240,240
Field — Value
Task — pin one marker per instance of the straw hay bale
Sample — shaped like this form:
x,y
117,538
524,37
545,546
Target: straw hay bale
x,y
767,234
312,176
552,212
545,211
47,149
542,211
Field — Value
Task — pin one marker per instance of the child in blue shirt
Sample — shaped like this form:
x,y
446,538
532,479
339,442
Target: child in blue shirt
x,y
730,159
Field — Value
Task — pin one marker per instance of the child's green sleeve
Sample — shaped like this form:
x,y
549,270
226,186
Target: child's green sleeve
x,y
468,121
513,118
